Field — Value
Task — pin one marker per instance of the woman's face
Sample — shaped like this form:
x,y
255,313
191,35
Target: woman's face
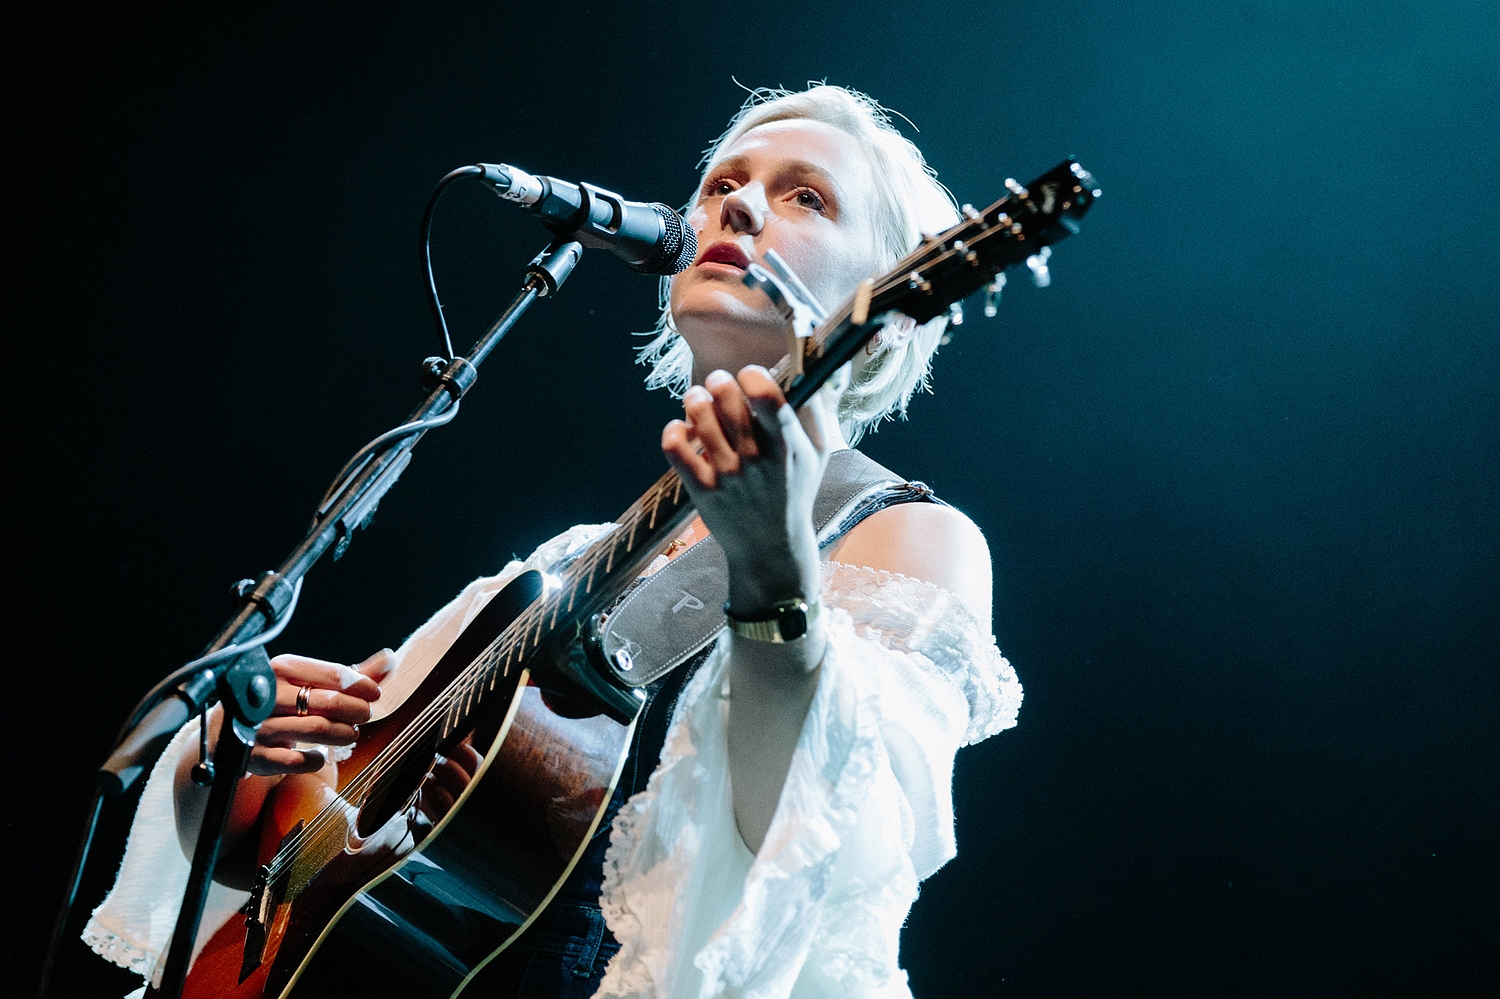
x,y
802,188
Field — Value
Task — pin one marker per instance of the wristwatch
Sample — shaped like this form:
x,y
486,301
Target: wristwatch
x,y
789,621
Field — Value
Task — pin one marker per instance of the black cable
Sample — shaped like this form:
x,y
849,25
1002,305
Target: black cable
x,y
351,466
425,236
361,457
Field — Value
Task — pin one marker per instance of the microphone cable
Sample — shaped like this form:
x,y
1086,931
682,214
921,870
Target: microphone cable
x,y
425,237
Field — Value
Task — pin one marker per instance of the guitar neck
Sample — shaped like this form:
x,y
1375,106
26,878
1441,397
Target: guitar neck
x,y
595,579
603,572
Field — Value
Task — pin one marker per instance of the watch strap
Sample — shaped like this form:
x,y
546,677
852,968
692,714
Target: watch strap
x,y
789,621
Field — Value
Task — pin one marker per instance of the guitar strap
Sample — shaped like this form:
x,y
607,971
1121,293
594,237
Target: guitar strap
x,y
673,613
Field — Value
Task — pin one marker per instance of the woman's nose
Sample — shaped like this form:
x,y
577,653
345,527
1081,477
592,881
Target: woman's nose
x,y
744,209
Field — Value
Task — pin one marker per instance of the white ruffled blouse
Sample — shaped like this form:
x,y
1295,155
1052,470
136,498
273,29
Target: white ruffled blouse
x,y
865,815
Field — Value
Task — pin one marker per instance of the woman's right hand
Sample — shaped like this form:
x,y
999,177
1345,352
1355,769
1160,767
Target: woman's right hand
x,y
338,700
318,703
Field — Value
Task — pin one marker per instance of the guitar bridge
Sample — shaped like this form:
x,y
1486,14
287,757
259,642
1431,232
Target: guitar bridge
x,y
257,917
259,909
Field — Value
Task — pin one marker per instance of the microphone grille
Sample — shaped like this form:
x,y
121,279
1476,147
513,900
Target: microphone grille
x,y
678,247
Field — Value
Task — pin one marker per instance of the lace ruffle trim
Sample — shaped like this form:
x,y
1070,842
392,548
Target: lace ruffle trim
x,y
912,615
116,950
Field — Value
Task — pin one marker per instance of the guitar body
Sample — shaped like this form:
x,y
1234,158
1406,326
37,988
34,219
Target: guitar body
x,y
362,889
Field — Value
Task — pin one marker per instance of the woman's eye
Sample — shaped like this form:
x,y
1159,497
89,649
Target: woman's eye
x,y
809,198
719,188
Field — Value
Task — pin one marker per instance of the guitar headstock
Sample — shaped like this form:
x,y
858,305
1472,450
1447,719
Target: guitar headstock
x,y
952,265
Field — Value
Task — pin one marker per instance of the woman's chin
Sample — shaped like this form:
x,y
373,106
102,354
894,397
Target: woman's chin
x,y
733,337
719,301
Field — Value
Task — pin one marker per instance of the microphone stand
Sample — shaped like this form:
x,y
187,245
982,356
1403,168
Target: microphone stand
x,y
247,686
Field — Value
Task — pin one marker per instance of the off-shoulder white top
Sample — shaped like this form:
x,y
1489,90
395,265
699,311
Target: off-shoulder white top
x,y
866,813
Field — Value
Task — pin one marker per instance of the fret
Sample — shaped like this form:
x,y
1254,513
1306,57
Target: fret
x,y
533,626
456,714
655,495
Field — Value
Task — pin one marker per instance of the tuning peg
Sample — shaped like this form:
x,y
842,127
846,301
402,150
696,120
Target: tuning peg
x,y
1040,275
955,319
992,296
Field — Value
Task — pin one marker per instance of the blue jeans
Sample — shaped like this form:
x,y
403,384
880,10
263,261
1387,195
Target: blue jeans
x,y
562,956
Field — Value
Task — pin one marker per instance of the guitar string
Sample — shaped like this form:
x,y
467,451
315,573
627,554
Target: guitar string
x,y
468,682
512,642
330,823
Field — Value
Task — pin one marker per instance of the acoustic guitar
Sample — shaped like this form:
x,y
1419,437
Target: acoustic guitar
x,y
366,880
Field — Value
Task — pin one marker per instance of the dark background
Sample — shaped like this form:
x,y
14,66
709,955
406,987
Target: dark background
x,y
1237,467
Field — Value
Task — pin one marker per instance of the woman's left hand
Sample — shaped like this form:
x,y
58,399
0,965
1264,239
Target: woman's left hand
x,y
753,468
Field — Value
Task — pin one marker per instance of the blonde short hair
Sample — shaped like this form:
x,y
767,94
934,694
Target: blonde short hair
x,y
909,203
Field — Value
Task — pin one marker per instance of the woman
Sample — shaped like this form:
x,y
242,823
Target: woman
x,y
801,792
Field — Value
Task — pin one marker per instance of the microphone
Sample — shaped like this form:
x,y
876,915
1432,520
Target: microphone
x,y
652,239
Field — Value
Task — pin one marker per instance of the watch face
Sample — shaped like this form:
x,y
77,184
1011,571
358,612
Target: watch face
x,y
792,621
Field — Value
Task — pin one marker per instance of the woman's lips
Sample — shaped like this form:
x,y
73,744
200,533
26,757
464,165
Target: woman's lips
x,y
727,254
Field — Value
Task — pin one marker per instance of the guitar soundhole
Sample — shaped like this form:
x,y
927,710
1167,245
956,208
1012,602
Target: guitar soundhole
x,y
392,795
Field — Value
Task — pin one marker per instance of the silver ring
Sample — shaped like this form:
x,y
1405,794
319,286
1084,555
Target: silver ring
x,y
302,696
